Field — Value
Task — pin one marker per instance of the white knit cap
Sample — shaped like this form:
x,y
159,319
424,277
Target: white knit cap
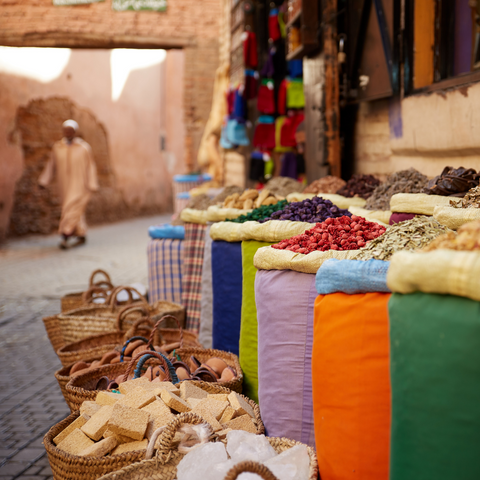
x,y
71,123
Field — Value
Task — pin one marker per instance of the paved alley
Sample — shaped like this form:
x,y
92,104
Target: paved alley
x,y
34,275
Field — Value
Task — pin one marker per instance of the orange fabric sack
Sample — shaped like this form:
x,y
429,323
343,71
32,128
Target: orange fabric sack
x,y
351,386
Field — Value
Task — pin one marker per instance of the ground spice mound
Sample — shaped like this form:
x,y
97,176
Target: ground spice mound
x,y
408,235
404,181
470,200
283,186
199,202
328,184
344,233
359,186
226,192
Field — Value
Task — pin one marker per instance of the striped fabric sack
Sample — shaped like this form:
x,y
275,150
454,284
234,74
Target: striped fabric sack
x,y
193,251
165,257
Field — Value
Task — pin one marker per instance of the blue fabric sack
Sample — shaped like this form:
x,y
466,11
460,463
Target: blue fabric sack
x,y
227,285
167,231
352,276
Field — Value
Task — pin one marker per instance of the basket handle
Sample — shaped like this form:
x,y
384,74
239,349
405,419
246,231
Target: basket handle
x,y
87,296
165,317
113,296
252,467
100,272
130,309
168,435
130,340
169,370
133,330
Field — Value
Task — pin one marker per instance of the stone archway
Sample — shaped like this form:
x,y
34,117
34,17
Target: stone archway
x,y
37,128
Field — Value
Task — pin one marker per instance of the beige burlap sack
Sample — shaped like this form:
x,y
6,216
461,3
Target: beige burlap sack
x,y
271,231
441,271
189,215
268,258
338,200
379,216
218,214
227,231
454,218
419,203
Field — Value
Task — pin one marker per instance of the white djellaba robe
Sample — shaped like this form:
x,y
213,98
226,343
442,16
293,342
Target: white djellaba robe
x,y
75,170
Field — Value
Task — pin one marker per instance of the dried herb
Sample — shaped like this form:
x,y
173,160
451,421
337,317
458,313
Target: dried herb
x,y
468,238
359,186
408,235
199,202
453,182
470,200
404,181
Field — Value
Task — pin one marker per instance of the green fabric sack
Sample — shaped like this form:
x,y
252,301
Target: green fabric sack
x,y
435,378
248,326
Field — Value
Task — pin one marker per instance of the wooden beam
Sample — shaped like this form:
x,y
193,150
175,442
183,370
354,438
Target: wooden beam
x,y
332,106
424,40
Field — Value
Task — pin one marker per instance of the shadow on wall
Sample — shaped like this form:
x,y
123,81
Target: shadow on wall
x,y
37,127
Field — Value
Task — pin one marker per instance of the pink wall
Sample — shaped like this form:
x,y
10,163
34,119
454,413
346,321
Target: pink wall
x,y
148,105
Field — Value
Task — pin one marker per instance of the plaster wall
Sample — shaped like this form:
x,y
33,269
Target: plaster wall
x,y
133,123
425,131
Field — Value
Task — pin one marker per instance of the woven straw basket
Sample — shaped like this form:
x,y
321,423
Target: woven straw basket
x,y
229,358
84,322
76,300
81,387
97,345
164,466
71,467
63,377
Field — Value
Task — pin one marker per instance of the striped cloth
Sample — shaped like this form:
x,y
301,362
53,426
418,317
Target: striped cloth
x,y
193,250
165,258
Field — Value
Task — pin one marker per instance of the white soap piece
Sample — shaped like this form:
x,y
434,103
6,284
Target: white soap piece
x,y
292,464
243,445
202,461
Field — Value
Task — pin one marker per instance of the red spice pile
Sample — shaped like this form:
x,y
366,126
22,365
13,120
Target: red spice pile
x,y
344,233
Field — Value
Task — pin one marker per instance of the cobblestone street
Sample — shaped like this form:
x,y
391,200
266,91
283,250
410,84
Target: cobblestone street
x,y
34,274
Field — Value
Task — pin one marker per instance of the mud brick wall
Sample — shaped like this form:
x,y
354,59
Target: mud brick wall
x,y
189,24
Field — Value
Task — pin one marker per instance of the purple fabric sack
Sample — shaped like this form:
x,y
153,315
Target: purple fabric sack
x,y
285,301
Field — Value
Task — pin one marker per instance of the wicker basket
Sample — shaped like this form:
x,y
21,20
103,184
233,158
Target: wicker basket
x,y
63,377
175,337
204,354
71,467
84,322
81,387
76,300
97,345
164,466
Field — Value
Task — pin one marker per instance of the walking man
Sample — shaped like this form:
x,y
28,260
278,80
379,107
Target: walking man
x,y
72,164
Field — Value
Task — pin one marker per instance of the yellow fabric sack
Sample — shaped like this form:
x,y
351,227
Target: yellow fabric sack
x,y
218,214
379,216
338,200
449,272
189,215
268,258
454,218
271,231
419,203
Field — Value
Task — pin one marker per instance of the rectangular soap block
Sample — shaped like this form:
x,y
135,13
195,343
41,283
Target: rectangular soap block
x,y
131,447
137,398
189,390
240,405
77,423
243,422
97,424
174,402
75,443
100,448
108,398
128,421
